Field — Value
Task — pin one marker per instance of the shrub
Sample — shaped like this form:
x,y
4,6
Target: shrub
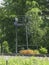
x,y
43,50
26,52
5,47
36,52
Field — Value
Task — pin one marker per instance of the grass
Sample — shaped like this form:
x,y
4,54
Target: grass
x,y
24,61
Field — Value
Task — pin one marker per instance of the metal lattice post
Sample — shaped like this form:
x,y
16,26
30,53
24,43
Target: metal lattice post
x,y
26,36
16,39
1,48
15,23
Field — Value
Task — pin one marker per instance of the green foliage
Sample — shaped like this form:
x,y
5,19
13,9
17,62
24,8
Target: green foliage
x,y
43,50
24,61
36,52
5,47
37,20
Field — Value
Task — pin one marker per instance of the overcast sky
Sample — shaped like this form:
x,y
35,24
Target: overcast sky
x,y
1,2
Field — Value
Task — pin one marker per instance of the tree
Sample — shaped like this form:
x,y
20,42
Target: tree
x,y
38,22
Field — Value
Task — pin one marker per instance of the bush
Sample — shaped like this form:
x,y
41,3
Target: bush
x,y
43,50
27,52
36,52
5,47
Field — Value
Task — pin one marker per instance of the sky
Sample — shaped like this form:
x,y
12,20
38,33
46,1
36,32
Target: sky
x,y
1,2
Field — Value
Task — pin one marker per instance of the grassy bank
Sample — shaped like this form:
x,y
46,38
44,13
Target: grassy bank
x,y
24,61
